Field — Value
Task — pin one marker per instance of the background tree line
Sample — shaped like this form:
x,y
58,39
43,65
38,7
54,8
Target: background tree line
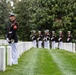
x,y
45,14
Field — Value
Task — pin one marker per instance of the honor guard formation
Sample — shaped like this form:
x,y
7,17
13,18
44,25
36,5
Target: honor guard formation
x,y
48,39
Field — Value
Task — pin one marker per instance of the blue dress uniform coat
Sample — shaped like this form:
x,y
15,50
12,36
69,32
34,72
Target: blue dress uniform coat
x,y
12,32
34,38
46,41
69,38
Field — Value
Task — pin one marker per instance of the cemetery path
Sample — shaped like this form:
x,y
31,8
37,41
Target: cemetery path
x,y
44,62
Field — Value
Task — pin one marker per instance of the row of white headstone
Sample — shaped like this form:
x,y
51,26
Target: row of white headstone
x,y
3,42
71,47
21,47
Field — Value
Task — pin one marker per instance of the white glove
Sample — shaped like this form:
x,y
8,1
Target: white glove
x,y
38,38
10,32
59,39
68,39
52,38
9,41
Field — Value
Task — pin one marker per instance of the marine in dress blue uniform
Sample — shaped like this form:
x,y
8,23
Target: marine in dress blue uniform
x,y
39,39
69,37
48,39
12,38
53,37
69,41
34,38
45,39
60,40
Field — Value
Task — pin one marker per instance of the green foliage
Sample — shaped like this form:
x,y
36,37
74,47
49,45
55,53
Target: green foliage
x,y
45,14
39,15
3,17
23,19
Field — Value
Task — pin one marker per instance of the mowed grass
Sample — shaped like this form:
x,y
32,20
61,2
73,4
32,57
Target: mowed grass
x,y
66,61
44,62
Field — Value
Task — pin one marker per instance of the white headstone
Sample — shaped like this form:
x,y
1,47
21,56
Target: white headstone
x,y
2,59
9,56
73,47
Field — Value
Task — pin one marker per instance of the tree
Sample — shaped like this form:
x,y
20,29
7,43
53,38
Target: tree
x,y
45,14
3,16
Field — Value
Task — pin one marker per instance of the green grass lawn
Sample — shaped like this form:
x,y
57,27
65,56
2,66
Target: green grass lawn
x,y
44,62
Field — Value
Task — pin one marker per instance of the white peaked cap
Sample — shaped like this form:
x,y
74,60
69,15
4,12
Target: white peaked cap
x,y
60,31
69,31
53,31
47,30
12,14
33,31
39,31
